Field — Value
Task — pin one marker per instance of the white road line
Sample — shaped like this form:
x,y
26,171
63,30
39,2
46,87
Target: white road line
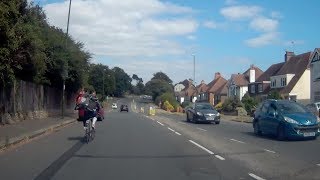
x,y
203,148
177,133
220,157
171,129
269,151
160,123
318,164
201,129
237,141
256,177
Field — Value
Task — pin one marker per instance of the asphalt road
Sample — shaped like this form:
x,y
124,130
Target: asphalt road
x,y
270,158
127,146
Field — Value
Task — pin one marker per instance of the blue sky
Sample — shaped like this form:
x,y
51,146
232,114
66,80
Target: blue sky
x,y
146,36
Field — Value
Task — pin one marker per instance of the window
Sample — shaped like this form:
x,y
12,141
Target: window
x,y
260,88
274,83
265,107
253,88
283,82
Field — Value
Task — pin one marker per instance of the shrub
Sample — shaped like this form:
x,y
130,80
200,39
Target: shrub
x,y
167,97
167,106
241,111
249,103
219,106
274,95
231,104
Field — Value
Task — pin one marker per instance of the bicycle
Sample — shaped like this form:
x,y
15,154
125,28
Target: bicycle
x,y
90,132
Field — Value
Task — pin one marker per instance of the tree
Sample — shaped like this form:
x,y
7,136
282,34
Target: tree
x,y
274,95
138,87
101,78
249,103
157,87
162,76
122,82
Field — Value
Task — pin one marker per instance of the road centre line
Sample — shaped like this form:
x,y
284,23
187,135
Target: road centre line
x,y
201,129
220,157
269,151
171,129
237,141
160,123
318,164
203,148
177,133
256,177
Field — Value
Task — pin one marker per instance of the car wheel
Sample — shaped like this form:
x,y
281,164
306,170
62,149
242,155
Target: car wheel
x,y
281,136
256,128
187,118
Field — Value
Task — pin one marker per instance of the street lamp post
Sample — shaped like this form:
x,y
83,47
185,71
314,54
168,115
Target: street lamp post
x,y
194,68
65,69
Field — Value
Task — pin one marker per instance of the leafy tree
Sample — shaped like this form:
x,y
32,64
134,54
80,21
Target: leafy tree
x,y
157,87
138,88
249,103
100,75
274,95
122,82
162,76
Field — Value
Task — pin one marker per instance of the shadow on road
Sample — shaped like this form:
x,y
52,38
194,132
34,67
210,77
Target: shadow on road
x,y
274,138
78,138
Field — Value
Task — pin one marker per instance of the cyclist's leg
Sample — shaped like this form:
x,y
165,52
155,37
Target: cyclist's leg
x,y
94,120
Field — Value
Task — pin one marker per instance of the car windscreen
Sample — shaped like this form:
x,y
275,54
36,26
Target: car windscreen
x,y
291,107
204,107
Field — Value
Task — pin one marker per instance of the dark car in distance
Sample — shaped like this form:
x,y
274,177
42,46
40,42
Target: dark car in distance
x,y
203,112
285,119
124,107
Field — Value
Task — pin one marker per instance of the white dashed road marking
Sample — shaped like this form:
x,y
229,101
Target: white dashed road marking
x,y
237,141
160,123
171,129
318,164
177,133
255,176
219,157
269,151
201,129
203,148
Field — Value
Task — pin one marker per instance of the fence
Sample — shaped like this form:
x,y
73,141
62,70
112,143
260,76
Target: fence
x,y
26,99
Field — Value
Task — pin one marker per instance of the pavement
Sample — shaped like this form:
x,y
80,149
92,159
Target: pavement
x,y
136,146
26,130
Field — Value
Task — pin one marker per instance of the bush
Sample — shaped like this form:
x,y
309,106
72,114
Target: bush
x,y
219,106
274,95
185,104
241,111
231,104
168,97
249,103
167,106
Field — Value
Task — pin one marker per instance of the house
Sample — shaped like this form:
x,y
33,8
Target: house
x,y
315,76
238,83
178,90
261,87
202,89
292,80
214,92
188,94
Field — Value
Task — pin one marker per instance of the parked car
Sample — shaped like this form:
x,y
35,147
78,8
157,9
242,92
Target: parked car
x,y
314,108
114,106
124,107
203,112
285,119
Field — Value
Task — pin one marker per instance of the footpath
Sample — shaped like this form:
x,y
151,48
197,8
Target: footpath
x,y
25,130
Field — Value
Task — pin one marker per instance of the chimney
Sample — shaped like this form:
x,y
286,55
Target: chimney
x,y
217,75
252,74
202,82
288,56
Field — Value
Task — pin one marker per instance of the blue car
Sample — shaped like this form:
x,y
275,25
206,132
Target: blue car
x,y
286,120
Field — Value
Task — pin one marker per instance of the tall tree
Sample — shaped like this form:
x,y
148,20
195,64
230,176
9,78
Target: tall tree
x,y
162,76
123,81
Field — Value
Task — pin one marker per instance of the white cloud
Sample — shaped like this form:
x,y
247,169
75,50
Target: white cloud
x,y
210,24
191,37
264,24
125,28
240,12
263,40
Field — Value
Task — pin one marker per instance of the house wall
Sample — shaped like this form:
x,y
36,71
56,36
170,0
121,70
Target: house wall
x,y
315,83
211,98
278,79
179,87
242,91
302,88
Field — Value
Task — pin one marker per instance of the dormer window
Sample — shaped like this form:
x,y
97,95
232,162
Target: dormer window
x,y
283,82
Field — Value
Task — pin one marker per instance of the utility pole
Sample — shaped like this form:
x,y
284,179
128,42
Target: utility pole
x,y
194,68
65,69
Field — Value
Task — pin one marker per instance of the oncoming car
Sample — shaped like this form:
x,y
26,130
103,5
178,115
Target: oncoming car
x,y
114,106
